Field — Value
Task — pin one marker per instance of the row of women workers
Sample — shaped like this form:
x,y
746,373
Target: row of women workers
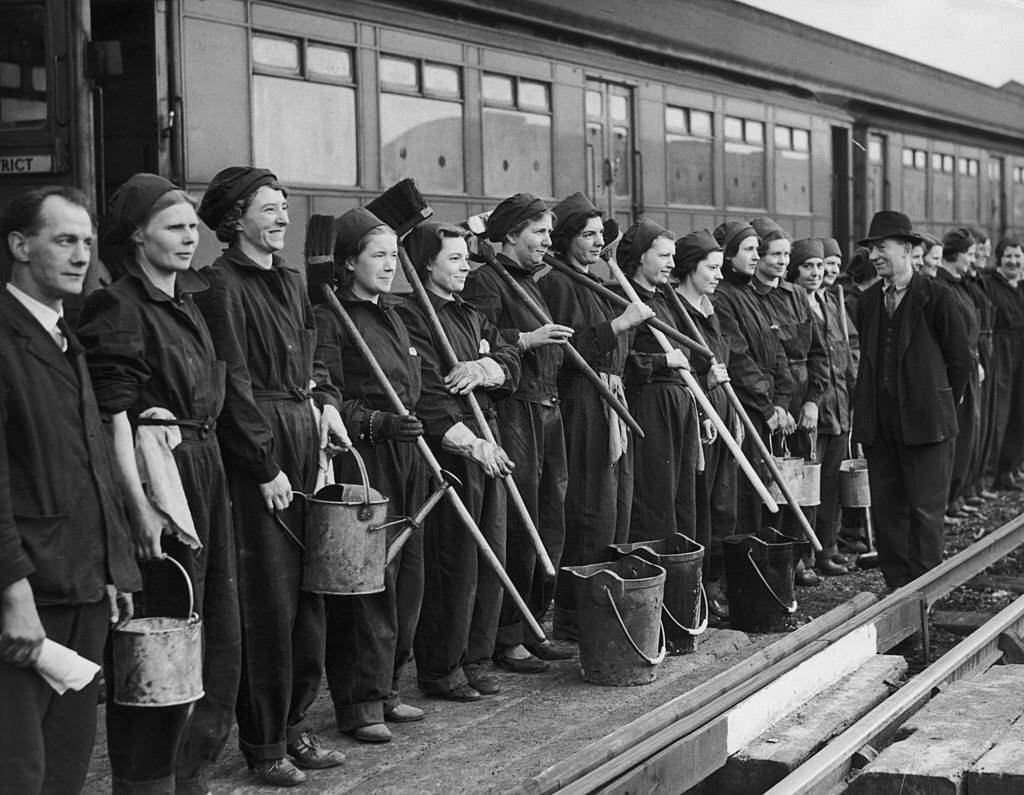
x,y
252,385
990,444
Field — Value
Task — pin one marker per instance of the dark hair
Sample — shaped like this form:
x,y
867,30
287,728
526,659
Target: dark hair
x,y
860,268
1004,243
768,239
631,266
24,214
431,245
563,235
226,231
978,234
956,242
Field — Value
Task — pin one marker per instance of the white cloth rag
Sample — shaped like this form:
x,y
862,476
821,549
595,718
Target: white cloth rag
x,y
63,668
154,456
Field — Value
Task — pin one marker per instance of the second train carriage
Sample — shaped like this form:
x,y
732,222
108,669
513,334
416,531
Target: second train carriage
x,y
687,112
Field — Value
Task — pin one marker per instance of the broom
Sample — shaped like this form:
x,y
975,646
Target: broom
x,y
402,207
320,234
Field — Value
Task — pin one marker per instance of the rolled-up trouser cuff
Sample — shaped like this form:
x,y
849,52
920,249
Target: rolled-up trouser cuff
x,y
352,716
154,786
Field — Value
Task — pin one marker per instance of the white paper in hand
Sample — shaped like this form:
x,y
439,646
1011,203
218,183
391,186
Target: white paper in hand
x,y
64,669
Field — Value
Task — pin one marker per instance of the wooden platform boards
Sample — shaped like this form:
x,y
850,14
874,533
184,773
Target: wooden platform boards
x,y
486,746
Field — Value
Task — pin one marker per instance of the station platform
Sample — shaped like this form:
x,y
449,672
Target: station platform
x,y
491,745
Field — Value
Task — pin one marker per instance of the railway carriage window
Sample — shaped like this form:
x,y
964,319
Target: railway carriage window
x,y
792,169
968,189
942,186
421,123
517,135
23,99
304,110
914,182
689,146
875,150
1018,175
744,163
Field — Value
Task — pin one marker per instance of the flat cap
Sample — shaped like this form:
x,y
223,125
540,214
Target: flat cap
x,y
227,187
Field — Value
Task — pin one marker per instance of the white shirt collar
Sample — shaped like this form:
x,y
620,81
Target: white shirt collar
x,y
46,316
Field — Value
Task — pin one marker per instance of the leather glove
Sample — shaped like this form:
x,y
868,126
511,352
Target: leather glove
x,y
400,427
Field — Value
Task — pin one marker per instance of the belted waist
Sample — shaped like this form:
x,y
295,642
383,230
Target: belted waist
x,y
536,390
191,430
298,394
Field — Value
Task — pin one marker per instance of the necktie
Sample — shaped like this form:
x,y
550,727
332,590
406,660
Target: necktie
x,y
890,299
61,334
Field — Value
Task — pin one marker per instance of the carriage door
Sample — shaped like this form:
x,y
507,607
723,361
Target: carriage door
x,y
996,217
134,118
611,159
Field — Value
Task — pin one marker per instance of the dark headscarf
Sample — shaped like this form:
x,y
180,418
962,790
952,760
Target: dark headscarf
x,y
691,249
637,239
730,234
229,186
803,250
955,242
512,212
352,227
831,247
127,209
571,214
767,230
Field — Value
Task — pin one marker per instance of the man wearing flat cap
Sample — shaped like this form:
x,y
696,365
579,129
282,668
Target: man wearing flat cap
x,y
262,326
914,369
530,420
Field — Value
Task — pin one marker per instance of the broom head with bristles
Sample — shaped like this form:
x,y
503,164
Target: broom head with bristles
x,y
319,255
401,207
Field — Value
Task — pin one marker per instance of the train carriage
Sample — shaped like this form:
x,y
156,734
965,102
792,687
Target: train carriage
x,y
687,112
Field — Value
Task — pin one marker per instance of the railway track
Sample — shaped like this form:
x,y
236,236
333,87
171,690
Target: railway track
x,y
678,745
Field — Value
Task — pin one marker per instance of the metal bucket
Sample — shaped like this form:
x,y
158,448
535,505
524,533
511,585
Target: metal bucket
x,y
802,477
622,640
346,543
854,487
158,662
759,574
685,606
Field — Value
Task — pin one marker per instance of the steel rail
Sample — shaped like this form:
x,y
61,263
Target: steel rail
x,y
895,618
977,651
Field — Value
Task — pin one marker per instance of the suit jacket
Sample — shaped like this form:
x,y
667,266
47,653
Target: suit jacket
x,y
61,519
933,367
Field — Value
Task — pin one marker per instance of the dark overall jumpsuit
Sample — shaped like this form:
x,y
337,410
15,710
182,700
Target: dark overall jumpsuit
x,y
599,497
461,594
146,349
1007,446
262,326
370,638
665,460
716,485
532,435
760,375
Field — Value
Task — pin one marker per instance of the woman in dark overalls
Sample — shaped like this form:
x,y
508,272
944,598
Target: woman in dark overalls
x,y
370,638
280,409
665,460
152,363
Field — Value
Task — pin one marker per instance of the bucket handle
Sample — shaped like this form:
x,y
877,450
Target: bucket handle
x,y
191,616
702,625
790,608
661,634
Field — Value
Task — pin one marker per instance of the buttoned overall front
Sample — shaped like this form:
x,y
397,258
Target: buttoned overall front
x,y
147,349
533,436
370,638
462,595
599,495
262,327
665,473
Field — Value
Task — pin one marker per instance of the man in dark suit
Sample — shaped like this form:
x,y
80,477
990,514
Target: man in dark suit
x,y
63,541
914,368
